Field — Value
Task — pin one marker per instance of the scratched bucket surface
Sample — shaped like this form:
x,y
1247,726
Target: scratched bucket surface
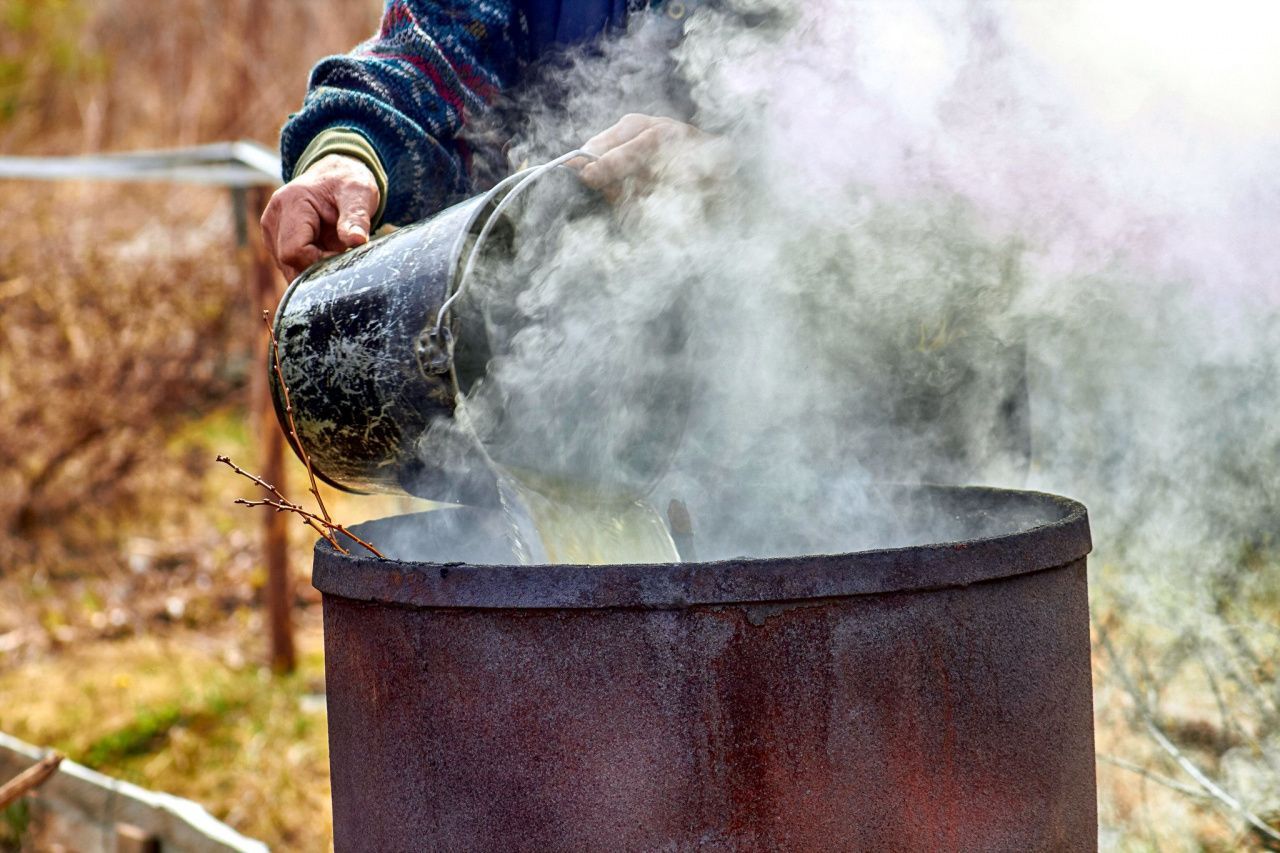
x,y
933,697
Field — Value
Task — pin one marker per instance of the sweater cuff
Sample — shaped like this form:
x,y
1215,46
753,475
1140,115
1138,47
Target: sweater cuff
x,y
350,143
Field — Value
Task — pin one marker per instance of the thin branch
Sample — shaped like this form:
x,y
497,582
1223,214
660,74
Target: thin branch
x,y
1154,777
226,460
315,521
28,780
325,527
282,504
1268,707
1188,766
321,523
356,539
1226,721
1232,669
1208,784
288,411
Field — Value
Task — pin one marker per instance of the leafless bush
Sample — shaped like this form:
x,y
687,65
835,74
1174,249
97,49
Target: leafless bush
x,y
113,74
111,340
124,309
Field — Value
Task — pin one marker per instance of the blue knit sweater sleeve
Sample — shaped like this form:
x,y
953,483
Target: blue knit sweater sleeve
x,y
409,90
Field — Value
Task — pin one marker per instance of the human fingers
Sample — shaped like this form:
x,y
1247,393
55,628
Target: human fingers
x,y
299,231
270,223
321,212
292,226
309,258
355,197
623,130
630,159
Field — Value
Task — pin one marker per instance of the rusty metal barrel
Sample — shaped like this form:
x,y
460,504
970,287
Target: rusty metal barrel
x,y
927,697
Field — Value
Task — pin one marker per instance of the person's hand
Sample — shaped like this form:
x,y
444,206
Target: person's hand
x,y
639,148
325,210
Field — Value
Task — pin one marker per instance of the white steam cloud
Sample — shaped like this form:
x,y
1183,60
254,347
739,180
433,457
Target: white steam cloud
x,y
932,219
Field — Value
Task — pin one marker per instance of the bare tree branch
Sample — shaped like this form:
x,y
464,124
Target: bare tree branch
x,y
322,523
30,779
288,411
327,528
1154,777
1212,788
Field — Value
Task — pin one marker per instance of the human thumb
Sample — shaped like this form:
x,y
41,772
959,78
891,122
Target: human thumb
x,y
353,229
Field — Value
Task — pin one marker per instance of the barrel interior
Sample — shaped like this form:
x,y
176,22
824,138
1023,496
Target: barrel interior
x,y
887,517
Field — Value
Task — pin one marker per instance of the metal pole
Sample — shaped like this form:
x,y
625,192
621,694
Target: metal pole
x,y
267,287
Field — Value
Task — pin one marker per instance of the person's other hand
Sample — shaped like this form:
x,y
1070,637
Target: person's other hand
x,y
325,210
640,147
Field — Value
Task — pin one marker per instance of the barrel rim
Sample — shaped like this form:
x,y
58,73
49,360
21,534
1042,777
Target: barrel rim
x,y
1062,540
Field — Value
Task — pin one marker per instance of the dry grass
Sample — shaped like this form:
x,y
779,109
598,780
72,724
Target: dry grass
x,y
130,628
190,716
126,307
127,310
1216,703
115,337
110,74
155,672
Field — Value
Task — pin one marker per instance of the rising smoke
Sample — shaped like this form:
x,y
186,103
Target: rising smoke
x,y
935,229
921,232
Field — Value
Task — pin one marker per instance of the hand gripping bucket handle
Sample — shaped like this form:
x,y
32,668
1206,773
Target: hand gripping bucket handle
x,y
435,344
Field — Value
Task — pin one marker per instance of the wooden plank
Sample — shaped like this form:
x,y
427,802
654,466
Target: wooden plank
x,y
133,839
28,780
79,809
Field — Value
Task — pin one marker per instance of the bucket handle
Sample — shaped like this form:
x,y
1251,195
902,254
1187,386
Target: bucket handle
x,y
436,347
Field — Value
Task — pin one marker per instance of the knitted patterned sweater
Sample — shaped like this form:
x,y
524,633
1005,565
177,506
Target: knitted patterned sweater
x,y
399,100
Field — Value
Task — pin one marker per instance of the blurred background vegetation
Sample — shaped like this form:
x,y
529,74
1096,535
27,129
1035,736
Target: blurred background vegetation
x,y
131,626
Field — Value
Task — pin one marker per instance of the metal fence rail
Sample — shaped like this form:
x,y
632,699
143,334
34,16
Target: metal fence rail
x,y
228,164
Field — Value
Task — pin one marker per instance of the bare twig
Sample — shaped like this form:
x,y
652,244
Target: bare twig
x,y
1154,777
1212,788
1224,716
1267,703
356,539
306,516
321,523
327,528
30,779
288,411
1231,668
315,521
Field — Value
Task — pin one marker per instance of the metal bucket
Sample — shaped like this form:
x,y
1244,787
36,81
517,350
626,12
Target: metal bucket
x,y
377,343
932,697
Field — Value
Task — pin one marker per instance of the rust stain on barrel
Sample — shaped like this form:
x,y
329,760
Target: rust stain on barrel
x,y
929,698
